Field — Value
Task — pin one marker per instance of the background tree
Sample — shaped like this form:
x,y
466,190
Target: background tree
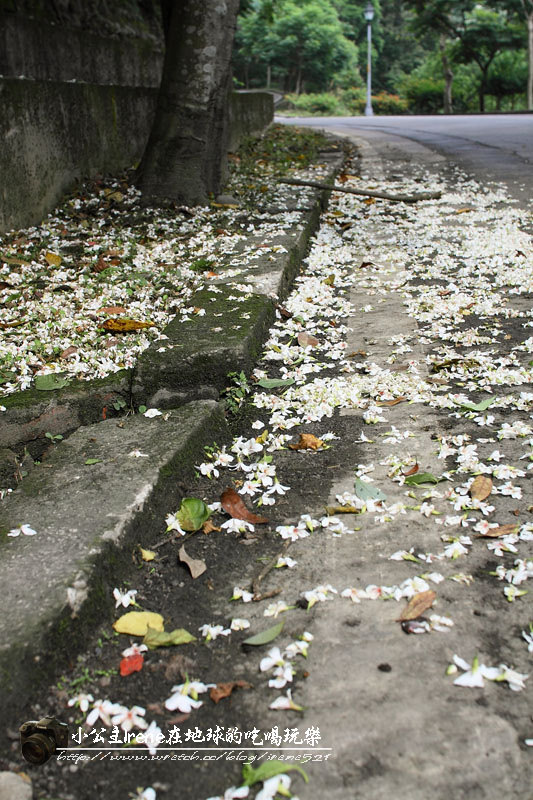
x,y
477,33
185,157
303,41
523,9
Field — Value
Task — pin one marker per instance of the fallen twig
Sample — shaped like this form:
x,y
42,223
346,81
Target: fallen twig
x,y
264,572
398,198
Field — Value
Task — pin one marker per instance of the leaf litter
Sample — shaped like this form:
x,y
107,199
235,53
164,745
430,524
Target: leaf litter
x,y
318,301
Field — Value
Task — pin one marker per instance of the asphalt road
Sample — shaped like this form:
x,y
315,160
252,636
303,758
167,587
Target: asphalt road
x,y
493,147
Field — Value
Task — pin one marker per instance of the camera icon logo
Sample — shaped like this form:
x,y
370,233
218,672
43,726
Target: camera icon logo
x,y
39,739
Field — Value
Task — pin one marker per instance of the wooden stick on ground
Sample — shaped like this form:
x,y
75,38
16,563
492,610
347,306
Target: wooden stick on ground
x,y
256,582
399,198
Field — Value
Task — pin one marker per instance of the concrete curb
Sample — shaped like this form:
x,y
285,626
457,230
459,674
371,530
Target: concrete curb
x,y
90,517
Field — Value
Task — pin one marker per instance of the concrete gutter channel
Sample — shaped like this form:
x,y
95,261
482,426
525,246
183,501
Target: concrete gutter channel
x,y
90,516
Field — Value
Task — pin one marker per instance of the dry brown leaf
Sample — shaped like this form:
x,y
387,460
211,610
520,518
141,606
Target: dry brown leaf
x,y
100,265
307,339
355,353
283,311
196,566
417,605
307,441
464,210
208,527
370,201
68,352
391,402
480,488
365,264
112,310
233,504
414,469
125,325
501,530
222,690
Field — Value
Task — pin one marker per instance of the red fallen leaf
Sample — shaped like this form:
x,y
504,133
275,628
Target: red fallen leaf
x,y
112,310
233,504
414,469
131,664
222,690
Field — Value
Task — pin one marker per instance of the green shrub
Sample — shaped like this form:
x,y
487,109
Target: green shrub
x,y
384,103
424,95
325,103
354,99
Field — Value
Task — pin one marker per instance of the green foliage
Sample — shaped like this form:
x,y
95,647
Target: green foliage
x,y
384,103
349,102
325,103
303,42
281,148
423,95
237,392
316,49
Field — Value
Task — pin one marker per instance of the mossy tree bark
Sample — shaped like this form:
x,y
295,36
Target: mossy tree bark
x,y
186,153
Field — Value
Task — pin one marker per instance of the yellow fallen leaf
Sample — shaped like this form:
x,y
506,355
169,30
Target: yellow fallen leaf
x,y
136,623
125,325
208,527
307,441
417,605
332,511
148,555
53,259
480,488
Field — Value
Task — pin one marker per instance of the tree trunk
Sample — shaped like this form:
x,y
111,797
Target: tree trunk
x,y
483,88
298,87
269,76
186,152
530,58
448,76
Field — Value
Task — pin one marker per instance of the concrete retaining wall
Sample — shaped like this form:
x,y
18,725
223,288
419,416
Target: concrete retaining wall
x,y
53,133
250,112
74,103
